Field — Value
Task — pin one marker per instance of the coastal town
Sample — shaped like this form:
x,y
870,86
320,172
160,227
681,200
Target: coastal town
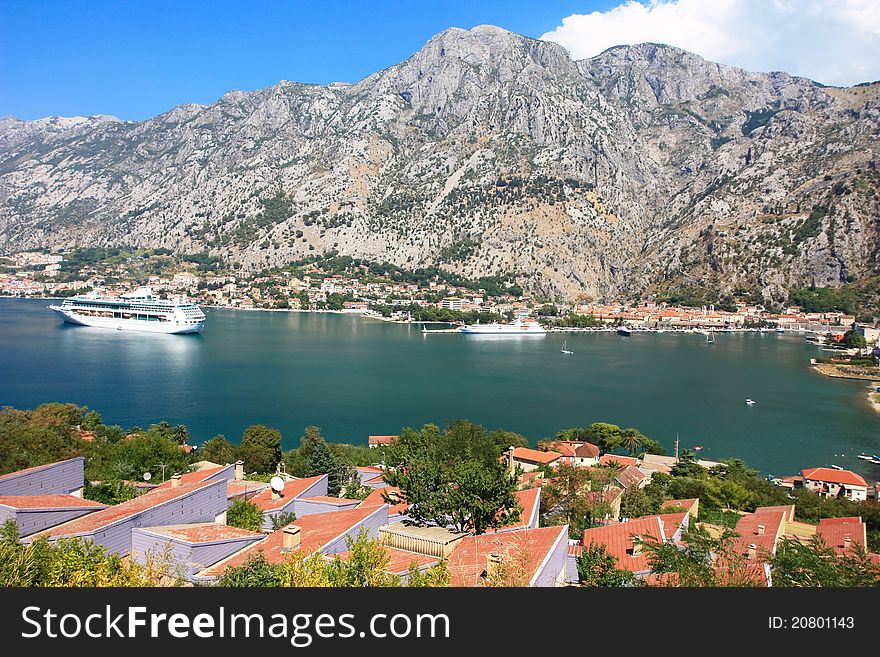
x,y
40,274
188,520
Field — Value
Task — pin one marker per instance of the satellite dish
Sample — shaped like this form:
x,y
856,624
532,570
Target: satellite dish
x,y
277,484
147,476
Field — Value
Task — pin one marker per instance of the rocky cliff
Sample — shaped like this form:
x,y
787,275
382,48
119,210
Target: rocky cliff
x,y
487,153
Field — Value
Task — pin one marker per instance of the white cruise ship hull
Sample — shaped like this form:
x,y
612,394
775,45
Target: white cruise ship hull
x,y
501,329
127,324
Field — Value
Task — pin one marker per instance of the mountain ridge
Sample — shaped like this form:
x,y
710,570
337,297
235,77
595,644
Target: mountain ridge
x,y
485,152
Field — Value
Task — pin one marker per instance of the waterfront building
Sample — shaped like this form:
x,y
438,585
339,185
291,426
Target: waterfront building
x,y
381,441
829,482
452,303
530,459
59,478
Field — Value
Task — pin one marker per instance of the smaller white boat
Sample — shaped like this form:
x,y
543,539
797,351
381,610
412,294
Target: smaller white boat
x,y
710,337
565,349
836,467
750,402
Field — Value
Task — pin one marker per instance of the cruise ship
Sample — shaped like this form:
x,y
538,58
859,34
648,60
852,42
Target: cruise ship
x,y
136,311
520,327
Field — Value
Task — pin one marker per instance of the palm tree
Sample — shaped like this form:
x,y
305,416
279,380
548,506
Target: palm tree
x,y
632,440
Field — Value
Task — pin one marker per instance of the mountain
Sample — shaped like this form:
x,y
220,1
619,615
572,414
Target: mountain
x,y
643,168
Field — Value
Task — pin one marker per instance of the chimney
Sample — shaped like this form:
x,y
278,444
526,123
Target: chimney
x,y
760,530
239,470
511,465
637,544
847,543
291,538
753,550
275,495
493,563
175,480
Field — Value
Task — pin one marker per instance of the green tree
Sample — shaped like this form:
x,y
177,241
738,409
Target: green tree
x,y
321,460
606,436
598,568
632,440
109,492
218,450
816,564
260,448
280,520
854,340
453,477
635,503
255,571
244,514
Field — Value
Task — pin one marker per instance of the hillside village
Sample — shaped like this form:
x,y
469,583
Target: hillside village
x,y
36,274
185,519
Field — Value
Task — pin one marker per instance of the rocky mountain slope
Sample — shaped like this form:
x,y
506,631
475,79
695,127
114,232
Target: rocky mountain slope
x,y
486,152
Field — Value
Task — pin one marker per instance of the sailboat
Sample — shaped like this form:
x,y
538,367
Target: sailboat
x,y
565,349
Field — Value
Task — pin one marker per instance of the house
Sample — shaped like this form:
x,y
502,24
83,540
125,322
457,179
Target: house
x,y
112,526
843,534
33,513
692,506
530,459
623,540
400,562
529,557
371,475
758,537
59,478
326,533
292,499
612,496
616,459
398,506
829,482
632,477
191,548
381,441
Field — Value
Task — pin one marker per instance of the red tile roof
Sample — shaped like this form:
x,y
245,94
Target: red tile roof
x,y
113,514
207,532
326,499
630,476
607,459
835,531
526,549
240,488
618,540
748,527
196,477
834,476
316,531
534,455
381,440
565,449
292,490
587,451
377,496
687,505
400,560
48,502
528,501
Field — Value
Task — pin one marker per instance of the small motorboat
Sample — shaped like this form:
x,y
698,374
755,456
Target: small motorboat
x,y
836,467
750,402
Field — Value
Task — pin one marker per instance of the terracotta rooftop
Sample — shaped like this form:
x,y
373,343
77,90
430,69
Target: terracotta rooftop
x,y
630,476
835,531
377,496
48,502
381,440
400,560
196,477
618,540
687,505
207,532
748,527
292,490
326,499
607,459
113,514
316,531
587,451
534,455
834,476
525,549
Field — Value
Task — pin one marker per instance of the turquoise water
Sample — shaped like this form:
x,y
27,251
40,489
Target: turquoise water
x,y
354,377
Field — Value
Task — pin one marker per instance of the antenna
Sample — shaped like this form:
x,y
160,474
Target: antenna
x,y
277,484
163,466
676,445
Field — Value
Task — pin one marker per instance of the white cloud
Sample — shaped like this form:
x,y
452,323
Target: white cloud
x,y
831,41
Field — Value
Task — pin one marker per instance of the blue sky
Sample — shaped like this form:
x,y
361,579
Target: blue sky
x,y
138,58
